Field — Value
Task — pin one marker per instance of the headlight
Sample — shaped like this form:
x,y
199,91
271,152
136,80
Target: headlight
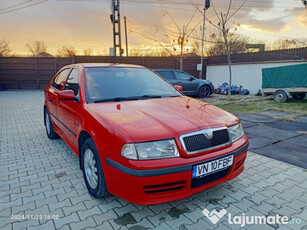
x,y
236,131
150,150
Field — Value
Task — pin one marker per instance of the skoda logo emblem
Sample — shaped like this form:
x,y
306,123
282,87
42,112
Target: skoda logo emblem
x,y
208,134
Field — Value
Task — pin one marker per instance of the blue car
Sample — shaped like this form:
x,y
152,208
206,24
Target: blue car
x,y
191,86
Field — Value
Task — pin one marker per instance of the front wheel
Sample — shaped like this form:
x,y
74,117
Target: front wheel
x,y
204,91
280,96
92,170
49,126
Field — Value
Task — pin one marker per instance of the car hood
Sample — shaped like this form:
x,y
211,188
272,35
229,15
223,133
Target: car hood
x,y
161,118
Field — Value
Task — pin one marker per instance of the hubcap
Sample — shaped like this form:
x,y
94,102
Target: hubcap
x,y
90,168
280,96
205,92
47,123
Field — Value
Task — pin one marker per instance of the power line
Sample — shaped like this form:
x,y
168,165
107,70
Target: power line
x,y
172,3
24,7
9,7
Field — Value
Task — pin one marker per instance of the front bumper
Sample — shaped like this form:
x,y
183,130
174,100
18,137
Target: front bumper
x,y
159,185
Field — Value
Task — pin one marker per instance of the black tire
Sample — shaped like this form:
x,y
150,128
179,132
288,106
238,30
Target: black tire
x,y
204,91
225,92
280,96
101,188
49,126
299,96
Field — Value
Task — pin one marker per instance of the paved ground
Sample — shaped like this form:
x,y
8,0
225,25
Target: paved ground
x,y
42,177
273,136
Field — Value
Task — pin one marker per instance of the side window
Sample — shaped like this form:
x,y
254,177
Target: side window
x,y
182,75
72,81
167,74
60,79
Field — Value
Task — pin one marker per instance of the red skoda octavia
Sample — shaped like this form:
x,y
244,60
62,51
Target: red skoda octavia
x,y
138,137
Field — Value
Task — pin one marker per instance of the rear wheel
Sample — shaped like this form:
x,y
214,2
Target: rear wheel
x,y
49,126
204,91
280,96
92,170
299,96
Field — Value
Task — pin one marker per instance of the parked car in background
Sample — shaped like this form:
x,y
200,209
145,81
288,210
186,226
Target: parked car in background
x,y
191,86
138,137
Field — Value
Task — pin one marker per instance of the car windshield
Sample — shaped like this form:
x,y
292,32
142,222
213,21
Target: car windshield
x,y
105,84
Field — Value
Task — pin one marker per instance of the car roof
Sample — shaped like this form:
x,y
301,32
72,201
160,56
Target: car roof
x,y
88,65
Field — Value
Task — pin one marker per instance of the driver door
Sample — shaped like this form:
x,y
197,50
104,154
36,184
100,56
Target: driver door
x,y
188,83
67,109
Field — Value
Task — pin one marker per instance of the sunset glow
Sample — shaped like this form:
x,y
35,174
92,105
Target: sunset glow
x,y
86,24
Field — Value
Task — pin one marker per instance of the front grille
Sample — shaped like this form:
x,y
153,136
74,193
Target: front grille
x,y
210,178
197,142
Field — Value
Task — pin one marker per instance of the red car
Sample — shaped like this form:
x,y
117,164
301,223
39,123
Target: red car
x,y
138,137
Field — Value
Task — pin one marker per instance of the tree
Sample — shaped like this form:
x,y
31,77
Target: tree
x,y
88,52
223,27
66,51
36,47
5,48
287,43
181,37
237,44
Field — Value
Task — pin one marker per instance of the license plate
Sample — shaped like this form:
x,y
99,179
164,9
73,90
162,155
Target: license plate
x,y
212,166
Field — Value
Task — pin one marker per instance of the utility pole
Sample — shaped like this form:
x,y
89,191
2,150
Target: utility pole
x,y
115,19
207,5
126,36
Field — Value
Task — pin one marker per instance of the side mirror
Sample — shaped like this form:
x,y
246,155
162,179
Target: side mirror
x,y
66,95
178,87
191,79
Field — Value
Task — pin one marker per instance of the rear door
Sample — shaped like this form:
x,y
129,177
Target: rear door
x,y
168,75
52,99
67,109
188,83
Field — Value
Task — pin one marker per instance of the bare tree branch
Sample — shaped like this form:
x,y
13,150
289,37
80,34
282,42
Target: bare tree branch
x,y
152,39
229,6
173,21
5,48
202,13
190,20
36,47
217,15
227,19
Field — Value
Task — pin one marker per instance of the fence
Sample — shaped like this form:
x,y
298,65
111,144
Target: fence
x,y
35,72
265,56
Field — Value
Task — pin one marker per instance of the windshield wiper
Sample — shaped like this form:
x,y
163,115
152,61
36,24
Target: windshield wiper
x,y
117,99
170,95
150,96
143,97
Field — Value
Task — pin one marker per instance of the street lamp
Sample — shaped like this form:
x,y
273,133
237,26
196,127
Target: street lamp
x,y
207,5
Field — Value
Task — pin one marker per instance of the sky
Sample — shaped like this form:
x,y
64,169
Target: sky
x,y
86,24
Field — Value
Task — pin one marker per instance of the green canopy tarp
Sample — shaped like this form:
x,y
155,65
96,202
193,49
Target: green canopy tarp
x,y
285,76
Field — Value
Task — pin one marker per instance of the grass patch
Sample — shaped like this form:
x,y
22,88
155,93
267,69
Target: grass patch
x,y
236,109
298,107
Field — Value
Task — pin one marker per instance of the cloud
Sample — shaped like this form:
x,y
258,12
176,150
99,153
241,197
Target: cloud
x,y
301,18
86,24
269,26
